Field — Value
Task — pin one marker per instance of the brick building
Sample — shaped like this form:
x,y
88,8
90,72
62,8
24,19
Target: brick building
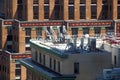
x,y
64,61
26,19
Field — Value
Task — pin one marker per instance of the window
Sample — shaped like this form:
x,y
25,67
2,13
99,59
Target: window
x,y
118,14
0,67
35,1
71,9
97,30
71,12
76,68
19,2
28,48
43,59
115,60
104,9
40,58
27,40
118,1
18,66
86,30
57,1
93,2
93,12
82,12
93,9
35,12
46,1
20,12
57,12
28,31
39,32
109,30
50,62
82,1
18,72
46,12
54,67
9,37
71,1
36,56
58,66
74,31
104,1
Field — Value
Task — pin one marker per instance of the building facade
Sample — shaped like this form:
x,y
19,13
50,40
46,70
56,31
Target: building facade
x,y
62,9
49,62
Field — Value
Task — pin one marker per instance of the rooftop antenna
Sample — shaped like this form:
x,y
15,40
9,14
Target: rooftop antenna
x,y
64,29
48,34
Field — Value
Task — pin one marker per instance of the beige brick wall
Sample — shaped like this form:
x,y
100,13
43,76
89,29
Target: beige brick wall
x,y
114,12
88,9
21,39
23,73
14,9
3,37
29,10
41,9
65,9
12,70
76,9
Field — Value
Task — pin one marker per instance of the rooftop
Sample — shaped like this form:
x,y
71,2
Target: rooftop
x,y
71,45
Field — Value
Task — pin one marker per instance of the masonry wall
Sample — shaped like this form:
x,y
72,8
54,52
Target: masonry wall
x,y
28,9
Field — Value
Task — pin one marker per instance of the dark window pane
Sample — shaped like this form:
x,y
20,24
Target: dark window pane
x,y
93,2
57,12
118,12
44,59
50,62
54,65
20,10
71,12
97,30
71,1
82,1
74,31
58,66
104,11
28,31
57,1
27,40
94,12
86,30
39,32
19,2
35,1
35,12
46,12
76,68
18,72
40,58
82,12
46,1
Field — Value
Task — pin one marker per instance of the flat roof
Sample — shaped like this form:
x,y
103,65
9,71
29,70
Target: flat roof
x,y
68,47
43,71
